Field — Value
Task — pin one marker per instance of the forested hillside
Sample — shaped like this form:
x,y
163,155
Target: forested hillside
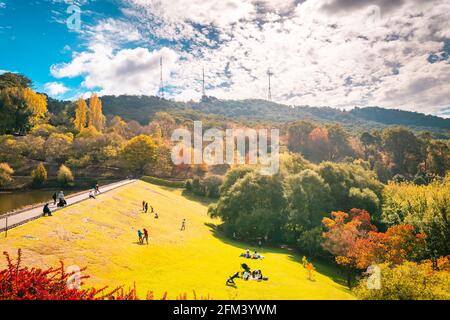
x,y
143,108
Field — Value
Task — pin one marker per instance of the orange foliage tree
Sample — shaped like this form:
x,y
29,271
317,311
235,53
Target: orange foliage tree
x,y
356,243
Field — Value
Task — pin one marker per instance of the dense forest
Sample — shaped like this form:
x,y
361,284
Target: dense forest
x,y
143,108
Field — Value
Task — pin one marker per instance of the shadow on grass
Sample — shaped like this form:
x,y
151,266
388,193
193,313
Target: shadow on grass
x,y
322,266
203,200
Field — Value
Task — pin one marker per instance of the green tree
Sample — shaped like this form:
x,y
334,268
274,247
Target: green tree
x,y
14,80
254,198
404,148
308,198
365,199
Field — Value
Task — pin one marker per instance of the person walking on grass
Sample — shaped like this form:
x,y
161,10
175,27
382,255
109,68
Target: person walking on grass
x,y
140,236
146,235
310,269
92,194
46,211
183,225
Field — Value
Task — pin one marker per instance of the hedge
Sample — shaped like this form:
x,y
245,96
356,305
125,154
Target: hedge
x,y
163,182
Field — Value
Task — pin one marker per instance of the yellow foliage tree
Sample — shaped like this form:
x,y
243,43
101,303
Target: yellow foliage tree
x,y
96,117
36,102
80,114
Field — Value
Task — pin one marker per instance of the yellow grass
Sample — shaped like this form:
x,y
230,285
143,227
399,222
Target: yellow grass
x,y
102,235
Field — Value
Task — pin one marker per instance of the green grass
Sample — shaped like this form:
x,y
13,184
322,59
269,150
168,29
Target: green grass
x,y
102,235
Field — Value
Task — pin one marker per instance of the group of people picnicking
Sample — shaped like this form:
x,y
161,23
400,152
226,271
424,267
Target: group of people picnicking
x,y
248,255
60,201
246,275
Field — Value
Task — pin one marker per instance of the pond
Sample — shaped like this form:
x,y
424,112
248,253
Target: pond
x,y
14,200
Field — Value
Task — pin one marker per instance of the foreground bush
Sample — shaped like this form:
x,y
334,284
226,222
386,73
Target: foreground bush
x,y
24,283
408,281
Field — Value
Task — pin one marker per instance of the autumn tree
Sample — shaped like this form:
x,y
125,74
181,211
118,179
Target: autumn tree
x,y
96,117
343,231
81,109
5,174
408,281
57,147
39,175
65,176
20,109
138,153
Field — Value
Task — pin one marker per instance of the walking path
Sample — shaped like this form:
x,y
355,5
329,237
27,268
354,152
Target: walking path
x,y
14,219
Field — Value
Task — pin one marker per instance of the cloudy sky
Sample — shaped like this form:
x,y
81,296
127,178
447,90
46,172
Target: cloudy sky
x,y
339,53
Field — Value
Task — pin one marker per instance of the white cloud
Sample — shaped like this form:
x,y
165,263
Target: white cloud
x,y
355,55
132,71
55,88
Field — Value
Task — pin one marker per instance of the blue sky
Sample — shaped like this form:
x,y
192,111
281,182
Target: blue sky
x,y
338,53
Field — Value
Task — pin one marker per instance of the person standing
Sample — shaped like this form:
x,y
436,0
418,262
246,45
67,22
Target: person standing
x,y
146,207
183,225
143,205
146,235
54,197
140,236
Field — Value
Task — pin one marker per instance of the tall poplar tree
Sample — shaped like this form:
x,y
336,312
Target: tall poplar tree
x,y
80,114
96,117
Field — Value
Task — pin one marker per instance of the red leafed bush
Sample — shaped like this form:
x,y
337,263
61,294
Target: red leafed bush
x,y
24,283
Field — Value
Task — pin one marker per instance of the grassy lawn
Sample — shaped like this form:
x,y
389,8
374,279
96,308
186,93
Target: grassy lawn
x,y
102,235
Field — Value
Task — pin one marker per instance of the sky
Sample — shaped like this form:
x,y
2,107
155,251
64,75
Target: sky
x,y
338,53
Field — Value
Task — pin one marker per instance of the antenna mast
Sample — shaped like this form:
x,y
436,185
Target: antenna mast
x,y
161,89
269,94
203,84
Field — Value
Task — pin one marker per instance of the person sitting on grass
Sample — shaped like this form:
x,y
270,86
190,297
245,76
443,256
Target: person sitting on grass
x,y
46,211
230,280
245,254
156,215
